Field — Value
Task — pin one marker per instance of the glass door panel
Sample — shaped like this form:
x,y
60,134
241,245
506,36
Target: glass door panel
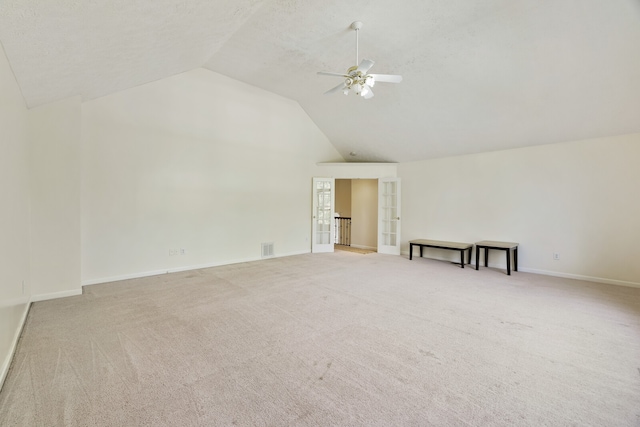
x,y
389,216
322,226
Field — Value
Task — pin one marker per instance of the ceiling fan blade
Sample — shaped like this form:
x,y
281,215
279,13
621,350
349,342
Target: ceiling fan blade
x,y
369,94
336,89
324,73
387,78
365,66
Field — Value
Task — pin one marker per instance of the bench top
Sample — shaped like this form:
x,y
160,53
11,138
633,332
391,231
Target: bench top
x,y
493,244
441,243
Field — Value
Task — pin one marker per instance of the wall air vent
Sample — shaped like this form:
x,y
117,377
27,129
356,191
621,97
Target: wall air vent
x,y
267,250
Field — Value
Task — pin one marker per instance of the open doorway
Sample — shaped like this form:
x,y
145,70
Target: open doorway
x,y
387,212
356,214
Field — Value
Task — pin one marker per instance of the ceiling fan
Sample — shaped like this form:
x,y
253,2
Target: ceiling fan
x,y
357,78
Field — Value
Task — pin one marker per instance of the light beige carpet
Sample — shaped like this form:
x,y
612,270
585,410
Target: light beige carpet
x,y
331,340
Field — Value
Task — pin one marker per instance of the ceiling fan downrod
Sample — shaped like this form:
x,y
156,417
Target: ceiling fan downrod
x,y
356,25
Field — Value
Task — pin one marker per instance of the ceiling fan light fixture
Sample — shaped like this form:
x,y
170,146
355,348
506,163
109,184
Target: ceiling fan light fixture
x,y
369,80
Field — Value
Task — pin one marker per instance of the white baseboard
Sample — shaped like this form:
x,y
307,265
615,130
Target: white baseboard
x,y
55,295
581,277
6,364
550,273
180,269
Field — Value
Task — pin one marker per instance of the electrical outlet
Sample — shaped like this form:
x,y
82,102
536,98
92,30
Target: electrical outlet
x,y
183,251
173,252
556,256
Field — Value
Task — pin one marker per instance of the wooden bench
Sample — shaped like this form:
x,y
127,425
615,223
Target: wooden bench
x,y
503,246
439,244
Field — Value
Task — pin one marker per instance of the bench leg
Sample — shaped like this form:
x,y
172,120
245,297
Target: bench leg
x,y
477,257
410,251
509,262
486,257
462,258
515,259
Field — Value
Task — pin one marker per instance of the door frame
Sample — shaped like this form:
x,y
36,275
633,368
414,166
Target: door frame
x,y
353,170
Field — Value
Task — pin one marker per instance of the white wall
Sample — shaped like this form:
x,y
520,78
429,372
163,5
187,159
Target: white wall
x,y
14,213
343,197
364,213
579,199
55,138
196,161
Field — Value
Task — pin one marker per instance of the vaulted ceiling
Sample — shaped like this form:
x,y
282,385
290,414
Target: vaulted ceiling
x,y
478,75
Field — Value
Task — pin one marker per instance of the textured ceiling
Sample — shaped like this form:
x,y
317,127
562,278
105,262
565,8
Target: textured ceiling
x,y
478,75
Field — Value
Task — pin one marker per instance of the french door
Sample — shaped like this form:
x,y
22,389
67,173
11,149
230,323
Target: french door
x,y
323,220
389,216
